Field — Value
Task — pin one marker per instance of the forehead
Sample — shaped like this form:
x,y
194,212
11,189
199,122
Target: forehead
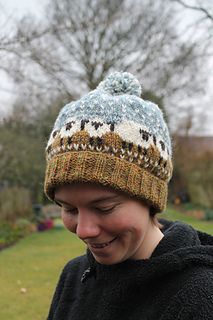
x,y
86,191
83,194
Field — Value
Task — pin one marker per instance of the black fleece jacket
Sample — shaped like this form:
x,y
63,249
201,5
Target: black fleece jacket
x,y
176,282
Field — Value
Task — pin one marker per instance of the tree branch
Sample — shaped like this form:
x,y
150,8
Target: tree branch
x,y
197,8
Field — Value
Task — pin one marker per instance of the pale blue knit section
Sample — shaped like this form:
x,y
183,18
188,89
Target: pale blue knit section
x,y
108,108
119,83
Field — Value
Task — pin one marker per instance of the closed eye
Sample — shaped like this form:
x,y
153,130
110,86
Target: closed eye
x,y
105,210
66,210
70,210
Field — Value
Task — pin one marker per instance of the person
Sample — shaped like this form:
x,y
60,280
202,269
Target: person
x,y
109,161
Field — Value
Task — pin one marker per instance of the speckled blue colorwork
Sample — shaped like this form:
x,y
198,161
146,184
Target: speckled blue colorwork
x,y
121,83
117,99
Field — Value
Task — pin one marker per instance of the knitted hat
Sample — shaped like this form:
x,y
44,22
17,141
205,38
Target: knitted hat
x,y
112,137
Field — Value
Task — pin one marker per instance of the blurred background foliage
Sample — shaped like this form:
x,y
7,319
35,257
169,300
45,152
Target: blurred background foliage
x,y
67,52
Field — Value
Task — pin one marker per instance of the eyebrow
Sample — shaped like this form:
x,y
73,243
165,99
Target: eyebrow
x,y
95,201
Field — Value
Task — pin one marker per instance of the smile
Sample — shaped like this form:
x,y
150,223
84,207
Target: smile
x,y
101,245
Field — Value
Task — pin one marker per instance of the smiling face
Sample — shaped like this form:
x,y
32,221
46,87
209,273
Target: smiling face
x,y
114,226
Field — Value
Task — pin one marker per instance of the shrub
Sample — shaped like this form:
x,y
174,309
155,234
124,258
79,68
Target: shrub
x,y
45,225
198,189
52,211
193,172
14,203
10,232
25,226
208,214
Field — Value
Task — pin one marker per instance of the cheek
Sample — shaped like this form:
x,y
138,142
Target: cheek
x,y
69,222
134,223
120,225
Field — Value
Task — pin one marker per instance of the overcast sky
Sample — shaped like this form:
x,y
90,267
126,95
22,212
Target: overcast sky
x,y
15,10
18,8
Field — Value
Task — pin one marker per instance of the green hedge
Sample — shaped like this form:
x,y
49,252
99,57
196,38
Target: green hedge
x,y
10,233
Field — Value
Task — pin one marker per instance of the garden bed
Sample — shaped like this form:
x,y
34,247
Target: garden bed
x,y
10,232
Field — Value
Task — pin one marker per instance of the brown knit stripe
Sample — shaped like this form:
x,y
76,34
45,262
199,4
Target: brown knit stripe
x,y
111,143
107,170
133,182
120,173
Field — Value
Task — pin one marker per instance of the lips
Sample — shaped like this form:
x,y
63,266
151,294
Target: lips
x,y
101,245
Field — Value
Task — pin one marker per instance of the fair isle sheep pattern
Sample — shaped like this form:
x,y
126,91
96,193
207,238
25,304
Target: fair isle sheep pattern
x,y
113,120
130,134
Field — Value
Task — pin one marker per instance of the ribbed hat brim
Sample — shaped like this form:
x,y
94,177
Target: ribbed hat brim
x,y
107,170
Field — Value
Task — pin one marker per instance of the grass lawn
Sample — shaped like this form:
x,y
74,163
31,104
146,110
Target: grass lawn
x,y
205,226
35,263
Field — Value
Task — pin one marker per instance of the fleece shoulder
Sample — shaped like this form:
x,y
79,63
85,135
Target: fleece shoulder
x,y
194,300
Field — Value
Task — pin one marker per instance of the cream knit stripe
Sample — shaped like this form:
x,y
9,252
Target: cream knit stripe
x,y
127,130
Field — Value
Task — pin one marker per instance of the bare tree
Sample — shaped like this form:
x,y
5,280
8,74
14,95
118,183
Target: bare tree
x,y
197,7
82,40
201,26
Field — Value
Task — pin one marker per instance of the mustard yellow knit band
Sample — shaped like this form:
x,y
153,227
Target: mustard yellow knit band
x,y
106,170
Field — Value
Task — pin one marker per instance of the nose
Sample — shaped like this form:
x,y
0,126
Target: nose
x,y
87,225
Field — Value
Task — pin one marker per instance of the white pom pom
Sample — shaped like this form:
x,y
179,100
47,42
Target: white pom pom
x,y
119,83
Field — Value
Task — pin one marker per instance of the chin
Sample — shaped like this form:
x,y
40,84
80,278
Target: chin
x,y
108,260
